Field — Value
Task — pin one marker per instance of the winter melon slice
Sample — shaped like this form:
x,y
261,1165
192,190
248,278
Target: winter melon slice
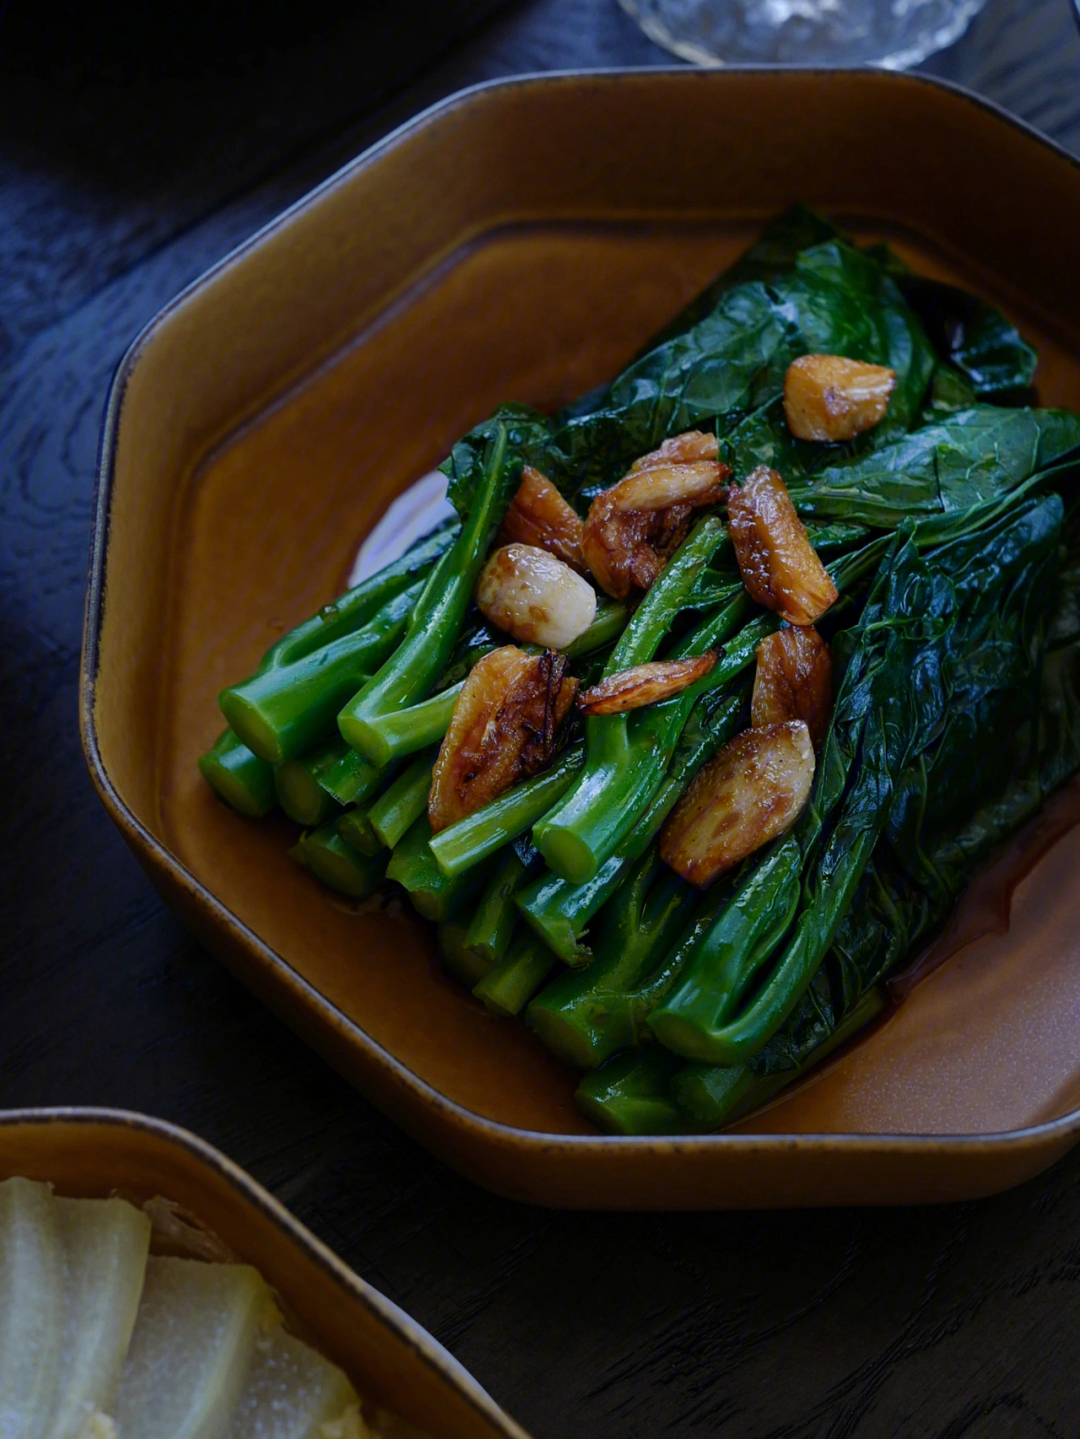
x,y
31,1307
105,1243
191,1349
291,1392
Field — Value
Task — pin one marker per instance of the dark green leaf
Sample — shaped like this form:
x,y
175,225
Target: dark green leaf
x,y
972,336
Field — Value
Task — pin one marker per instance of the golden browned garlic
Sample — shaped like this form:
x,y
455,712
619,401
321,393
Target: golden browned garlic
x,y
645,684
780,568
634,527
535,597
827,397
503,729
538,515
751,792
793,681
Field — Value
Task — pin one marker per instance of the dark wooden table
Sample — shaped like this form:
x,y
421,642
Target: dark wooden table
x,y
123,174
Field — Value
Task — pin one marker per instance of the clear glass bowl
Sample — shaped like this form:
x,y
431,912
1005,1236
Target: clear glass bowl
x,y
892,33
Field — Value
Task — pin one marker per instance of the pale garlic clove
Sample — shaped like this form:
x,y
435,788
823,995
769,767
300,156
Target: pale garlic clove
x,y
793,681
779,566
645,684
753,790
828,397
535,597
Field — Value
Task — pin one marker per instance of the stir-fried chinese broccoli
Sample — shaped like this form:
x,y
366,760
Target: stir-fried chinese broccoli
x,y
949,529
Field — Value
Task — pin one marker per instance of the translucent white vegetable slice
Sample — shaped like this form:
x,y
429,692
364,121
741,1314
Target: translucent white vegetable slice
x,y
104,1243
191,1350
31,1299
291,1392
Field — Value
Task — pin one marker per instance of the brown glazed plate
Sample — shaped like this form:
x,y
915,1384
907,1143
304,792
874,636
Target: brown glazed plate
x,y
520,241
92,1153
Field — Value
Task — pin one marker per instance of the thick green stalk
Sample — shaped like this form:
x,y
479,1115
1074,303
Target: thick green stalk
x,y
360,605
436,616
355,828
462,845
712,1096
758,912
608,766
398,808
402,732
640,924
699,1025
243,780
890,701
297,782
432,893
744,915
626,1012
509,985
627,755
462,962
337,864
632,1095
712,970
610,621
285,709
560,911
491,928
354,779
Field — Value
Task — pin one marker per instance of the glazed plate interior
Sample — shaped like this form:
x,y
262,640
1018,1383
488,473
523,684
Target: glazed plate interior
x,y
267,504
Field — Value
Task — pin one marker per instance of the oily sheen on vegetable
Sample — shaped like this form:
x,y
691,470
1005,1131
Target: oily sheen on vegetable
x,y
691,731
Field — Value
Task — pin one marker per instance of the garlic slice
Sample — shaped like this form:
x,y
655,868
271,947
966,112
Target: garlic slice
x,y
793,681
645,684
753,790
779,566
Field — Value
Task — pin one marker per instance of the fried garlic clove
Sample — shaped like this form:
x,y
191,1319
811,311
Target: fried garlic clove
x,y
793,681
681,449
827,397
503,729
633,528
662,487
535,597
780,568
645,684
753,790
539,516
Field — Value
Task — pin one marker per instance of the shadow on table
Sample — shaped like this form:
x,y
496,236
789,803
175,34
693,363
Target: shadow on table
x,y
122,124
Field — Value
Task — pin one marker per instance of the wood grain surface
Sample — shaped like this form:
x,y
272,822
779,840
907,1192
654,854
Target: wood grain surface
x,y
117,187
